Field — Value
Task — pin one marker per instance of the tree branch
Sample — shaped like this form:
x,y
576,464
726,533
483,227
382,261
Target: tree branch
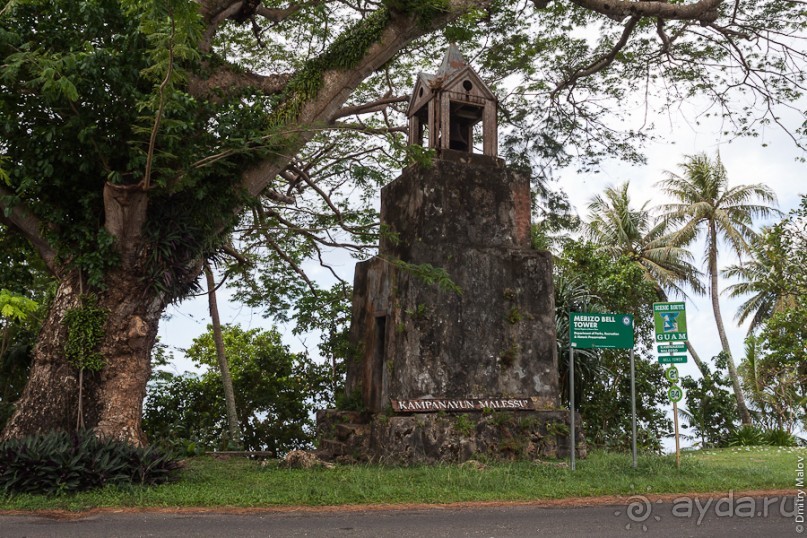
x,y
338,84
232,252
360,127
367,108
225,81
278,14
26,223
704,11
602,62
215,12
158,115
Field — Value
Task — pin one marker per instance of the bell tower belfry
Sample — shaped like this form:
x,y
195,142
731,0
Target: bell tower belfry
x,y
485,348
446,108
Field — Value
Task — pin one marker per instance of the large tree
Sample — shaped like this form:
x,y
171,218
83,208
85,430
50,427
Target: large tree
x,y
135,133
706,205
621,230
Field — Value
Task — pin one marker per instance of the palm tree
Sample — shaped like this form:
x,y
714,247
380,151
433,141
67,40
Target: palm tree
x,y
620,230
766,281
705,203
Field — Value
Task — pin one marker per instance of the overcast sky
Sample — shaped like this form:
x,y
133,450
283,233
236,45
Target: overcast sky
x,y
770,160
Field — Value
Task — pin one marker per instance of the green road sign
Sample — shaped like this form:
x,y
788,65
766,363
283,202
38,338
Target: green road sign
x,y
669,349
670,320
675,393
595,330
672,359
671,374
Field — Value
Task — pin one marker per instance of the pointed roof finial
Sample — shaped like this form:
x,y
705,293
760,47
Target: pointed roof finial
x,y
453,61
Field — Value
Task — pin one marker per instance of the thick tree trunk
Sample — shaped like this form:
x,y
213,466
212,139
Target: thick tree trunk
x,y
113,397
742,408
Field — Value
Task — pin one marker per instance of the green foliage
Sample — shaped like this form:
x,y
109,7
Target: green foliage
x,y
774,275
240,482
747,435
783,337
779,437
711,411
774,370
508,356
619,229
349,402
756,436
52,70
17,333
588,280
15,307
424,11
773,382
328,311
419,155
23,279
430,275
85,331
343,53
116,79
60,463
275,392
464,425
558,429
514,316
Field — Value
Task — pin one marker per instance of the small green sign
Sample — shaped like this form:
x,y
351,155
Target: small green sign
x,y
675,393
669,349
670,320
672,359
671,374
594,330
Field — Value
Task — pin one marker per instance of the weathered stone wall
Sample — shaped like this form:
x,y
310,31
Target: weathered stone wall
x,y
447,438
461,200
469,215
496,338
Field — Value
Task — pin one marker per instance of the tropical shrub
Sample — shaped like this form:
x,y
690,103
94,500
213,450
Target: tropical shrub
x,y
60,462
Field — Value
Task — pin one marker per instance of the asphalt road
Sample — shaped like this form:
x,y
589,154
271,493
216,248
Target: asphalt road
x,y
728,517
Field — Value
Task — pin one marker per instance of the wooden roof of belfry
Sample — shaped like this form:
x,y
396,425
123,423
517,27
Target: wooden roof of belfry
x,y
453,64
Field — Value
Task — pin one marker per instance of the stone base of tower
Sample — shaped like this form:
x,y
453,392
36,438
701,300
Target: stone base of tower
x,y
428,438
470,216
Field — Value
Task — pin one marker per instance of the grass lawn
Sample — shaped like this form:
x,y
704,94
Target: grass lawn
x,y
237,482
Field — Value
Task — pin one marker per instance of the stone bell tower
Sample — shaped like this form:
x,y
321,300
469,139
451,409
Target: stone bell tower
x,y
423,353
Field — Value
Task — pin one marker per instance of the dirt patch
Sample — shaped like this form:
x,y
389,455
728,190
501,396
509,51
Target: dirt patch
x,y
571,502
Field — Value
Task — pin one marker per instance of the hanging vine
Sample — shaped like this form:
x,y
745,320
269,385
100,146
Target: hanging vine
x,y
85,330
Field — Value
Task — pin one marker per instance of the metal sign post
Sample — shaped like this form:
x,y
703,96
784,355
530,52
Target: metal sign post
x,y
633,405
606,331
670,321
675,393
571,404
677,438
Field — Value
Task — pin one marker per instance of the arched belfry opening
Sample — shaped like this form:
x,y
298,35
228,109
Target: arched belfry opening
x,y
447,108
